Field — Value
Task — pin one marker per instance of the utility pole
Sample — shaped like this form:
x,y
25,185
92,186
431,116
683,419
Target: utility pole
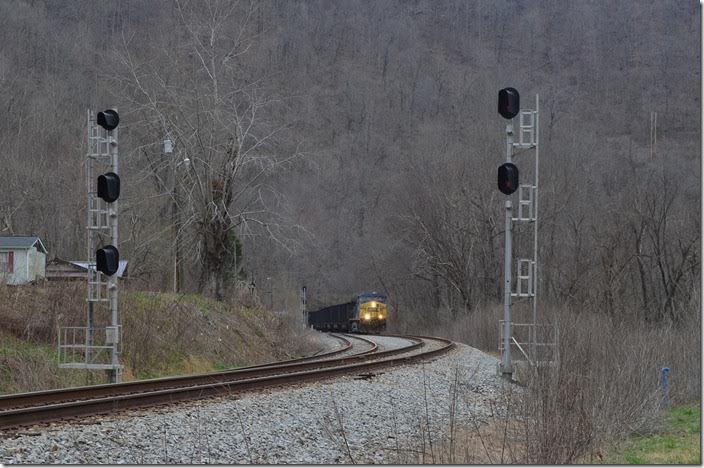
x,y
177,273
653,134
168,150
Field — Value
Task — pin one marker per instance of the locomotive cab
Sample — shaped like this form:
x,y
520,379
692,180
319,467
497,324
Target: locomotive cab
x,y
370,313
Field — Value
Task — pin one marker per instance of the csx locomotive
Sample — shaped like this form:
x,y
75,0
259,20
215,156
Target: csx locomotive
x,y
366,313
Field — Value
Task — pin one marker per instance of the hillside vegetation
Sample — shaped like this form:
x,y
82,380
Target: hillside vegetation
x,y
163,334
363,137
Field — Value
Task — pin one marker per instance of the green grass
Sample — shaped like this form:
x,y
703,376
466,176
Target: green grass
x,y
678,443
28,363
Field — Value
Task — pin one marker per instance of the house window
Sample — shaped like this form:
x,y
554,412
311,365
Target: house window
x,y
7,262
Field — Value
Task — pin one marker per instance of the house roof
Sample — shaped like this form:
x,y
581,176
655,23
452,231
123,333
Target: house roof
x,y
21,242
121,266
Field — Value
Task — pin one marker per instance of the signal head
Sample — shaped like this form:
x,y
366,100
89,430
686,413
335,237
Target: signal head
x,y
108,119
508,178
107,260
509,103
109,186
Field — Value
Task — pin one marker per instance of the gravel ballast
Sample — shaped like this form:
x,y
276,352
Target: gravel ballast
x,y
363,418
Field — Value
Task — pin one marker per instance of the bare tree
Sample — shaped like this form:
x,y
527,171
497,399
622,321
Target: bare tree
x,y
665,238
194,90
451,228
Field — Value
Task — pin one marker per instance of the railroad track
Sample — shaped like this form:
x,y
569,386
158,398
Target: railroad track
x,y
24,409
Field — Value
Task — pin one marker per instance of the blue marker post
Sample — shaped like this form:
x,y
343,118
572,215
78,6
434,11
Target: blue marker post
x,y
663,386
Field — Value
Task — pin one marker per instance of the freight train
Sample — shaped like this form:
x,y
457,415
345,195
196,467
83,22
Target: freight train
x,y
365,313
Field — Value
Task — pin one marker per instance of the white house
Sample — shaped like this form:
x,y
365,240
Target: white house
x,y
22,259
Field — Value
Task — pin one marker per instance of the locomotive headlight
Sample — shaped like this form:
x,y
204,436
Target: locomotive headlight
x,y
381,316
367,317
373,305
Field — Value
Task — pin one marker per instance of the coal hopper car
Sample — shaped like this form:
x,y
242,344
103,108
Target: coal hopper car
x,y
366,313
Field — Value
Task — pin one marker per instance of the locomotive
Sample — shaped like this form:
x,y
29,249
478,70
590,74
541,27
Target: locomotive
x,y
365,313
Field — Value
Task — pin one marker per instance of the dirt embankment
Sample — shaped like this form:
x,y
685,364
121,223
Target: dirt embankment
x,y
162,334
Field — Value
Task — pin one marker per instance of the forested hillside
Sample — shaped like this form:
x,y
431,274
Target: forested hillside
x,y
353,145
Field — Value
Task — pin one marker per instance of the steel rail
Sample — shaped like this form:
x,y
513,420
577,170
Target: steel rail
x,y
15,400
374,346
197,389
346,346
48,397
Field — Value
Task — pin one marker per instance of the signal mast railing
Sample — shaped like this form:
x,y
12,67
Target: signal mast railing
x,y
77,347
536,343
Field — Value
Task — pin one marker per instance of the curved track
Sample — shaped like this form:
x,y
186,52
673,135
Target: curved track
x,y
38,407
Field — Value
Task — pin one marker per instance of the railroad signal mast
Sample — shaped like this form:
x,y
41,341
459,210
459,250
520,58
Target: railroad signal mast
x,y
304,301
97,345
531,346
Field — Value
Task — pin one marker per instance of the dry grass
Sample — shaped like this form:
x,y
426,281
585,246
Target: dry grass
x,y
486,444
492,436
479,329
605,387
163,334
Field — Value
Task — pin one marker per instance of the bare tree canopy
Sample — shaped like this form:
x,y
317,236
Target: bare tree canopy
x,y
353,145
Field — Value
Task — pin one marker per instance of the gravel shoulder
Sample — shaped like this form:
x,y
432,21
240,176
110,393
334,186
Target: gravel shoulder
x,y
387,343
364,419
325,342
